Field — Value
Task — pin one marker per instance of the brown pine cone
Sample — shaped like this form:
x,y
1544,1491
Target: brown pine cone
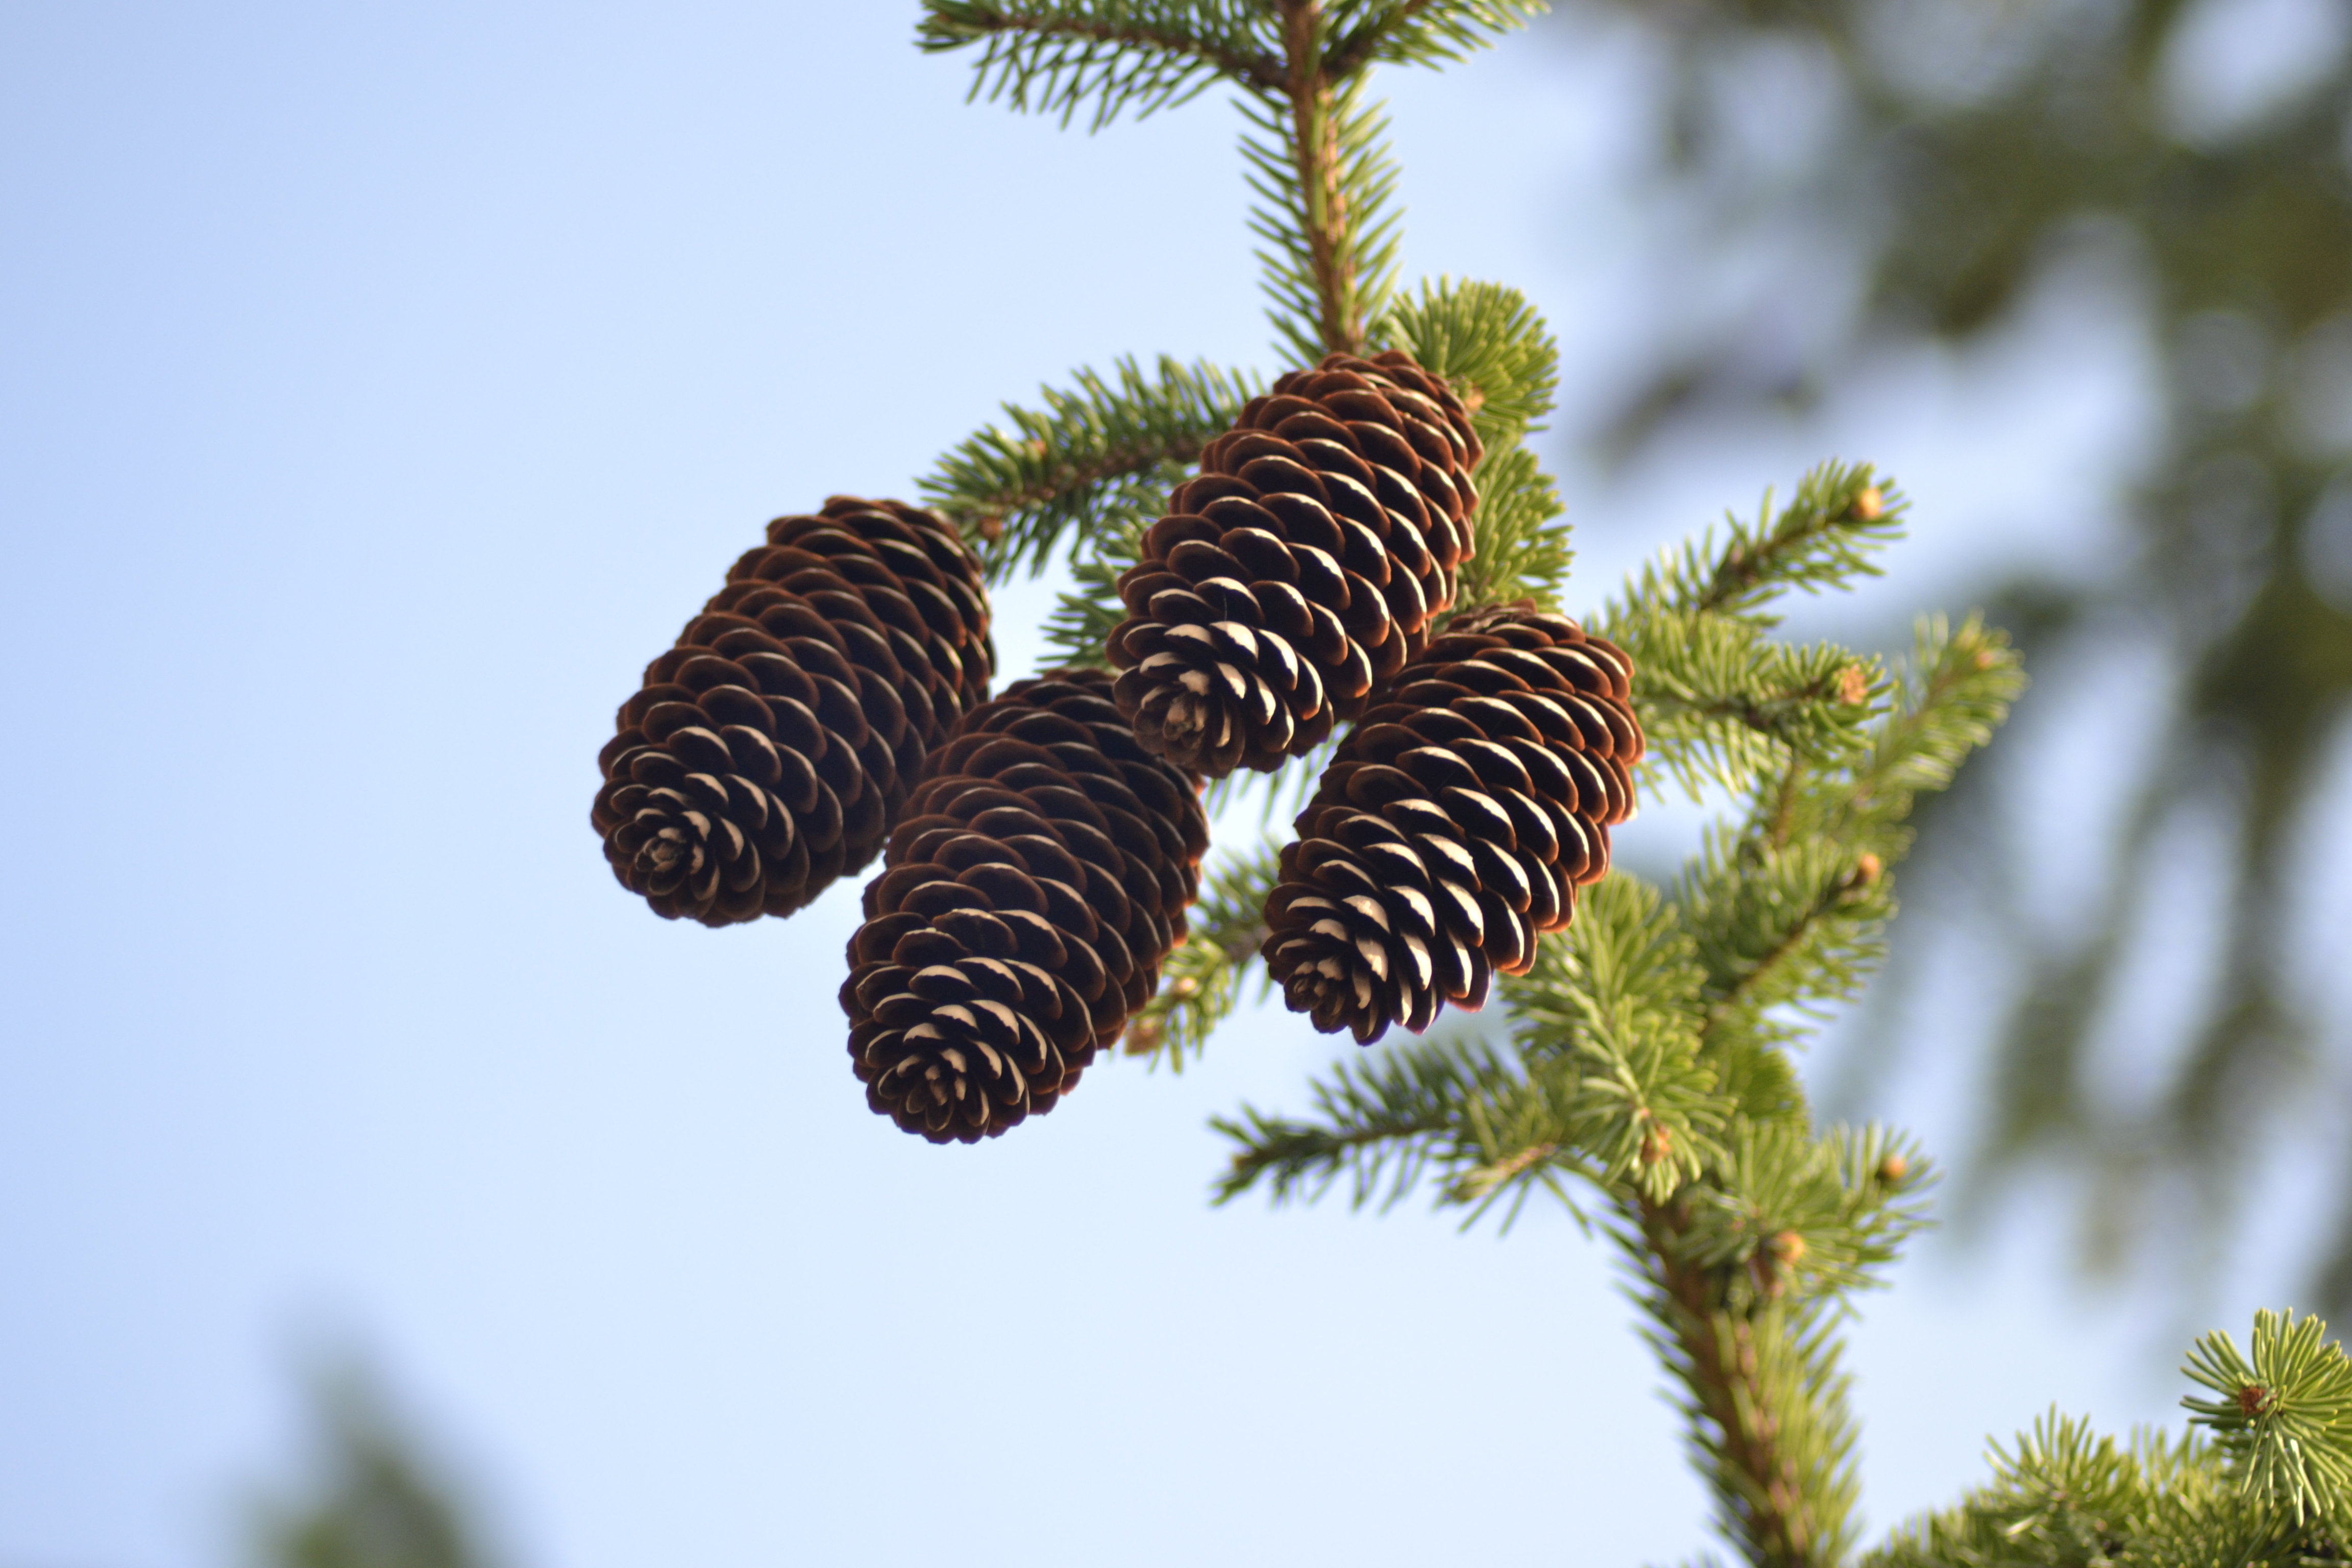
x,y
771,750
1297,575
1455,824
1040,877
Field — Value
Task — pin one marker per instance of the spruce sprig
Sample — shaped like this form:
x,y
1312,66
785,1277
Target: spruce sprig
x,y
1382,1124
2284,1417
2267,1490
1094,459
1318,161
1493,348
1490,342
1824,537
1523,537
1419,32
1055,56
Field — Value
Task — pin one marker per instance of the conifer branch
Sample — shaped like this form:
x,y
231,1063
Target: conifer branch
x,y
1382,1123
1735,1368
1755,976
2270,1488
1500,357
1056,54
1093,460
1317,159
1744,1269
1523,539
1722,704
1425,32
1824,537
1315,156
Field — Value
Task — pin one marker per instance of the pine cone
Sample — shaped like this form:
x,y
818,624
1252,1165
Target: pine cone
x,y
1455,824
1040,877
1297,575
773,748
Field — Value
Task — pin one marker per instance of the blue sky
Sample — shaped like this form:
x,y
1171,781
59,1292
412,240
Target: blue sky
x,y
380,387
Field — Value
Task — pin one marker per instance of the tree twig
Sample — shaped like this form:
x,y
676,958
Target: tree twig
x,y
1261,72
1720,1348
1315,151
1352,52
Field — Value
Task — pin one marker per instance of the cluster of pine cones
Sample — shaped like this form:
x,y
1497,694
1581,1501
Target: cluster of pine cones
x,y
1040,847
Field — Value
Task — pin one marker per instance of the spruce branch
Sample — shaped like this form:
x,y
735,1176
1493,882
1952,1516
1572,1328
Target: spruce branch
x,y
2266,1490
2284,1417
1055,56
1723,704
1095,459
1385,1124
1085,614
1800,924
1421,32
1764,1394
1487,341
1956,690
1612,1000
1523,537
1789,907
1318,161
1495,350
1824,537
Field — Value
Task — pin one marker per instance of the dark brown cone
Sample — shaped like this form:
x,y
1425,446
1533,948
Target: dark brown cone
x,y
771,750
1040,877
1455,824
1297,575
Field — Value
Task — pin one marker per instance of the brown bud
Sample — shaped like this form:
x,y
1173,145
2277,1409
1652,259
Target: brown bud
x,y
992,527
1870,505
1867,868
1893,1169
1854,686
1143,1035
2254,1399
1789,1247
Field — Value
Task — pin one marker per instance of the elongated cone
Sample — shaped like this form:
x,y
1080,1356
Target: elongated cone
x,y
1039,880
770,750
1455,824
1297,575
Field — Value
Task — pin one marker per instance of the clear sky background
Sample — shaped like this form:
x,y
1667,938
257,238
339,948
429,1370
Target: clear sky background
x,y
381,386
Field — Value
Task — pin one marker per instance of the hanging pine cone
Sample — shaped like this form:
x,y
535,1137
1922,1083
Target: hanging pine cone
x,y
1455,824
1040,877
1297,575
773,748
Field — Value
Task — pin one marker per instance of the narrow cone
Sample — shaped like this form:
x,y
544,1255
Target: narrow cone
x,y
1297,575
773,748
1039,880
1455,824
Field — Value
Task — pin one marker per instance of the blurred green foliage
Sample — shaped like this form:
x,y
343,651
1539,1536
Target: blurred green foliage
x,y
371,1496
1964,152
